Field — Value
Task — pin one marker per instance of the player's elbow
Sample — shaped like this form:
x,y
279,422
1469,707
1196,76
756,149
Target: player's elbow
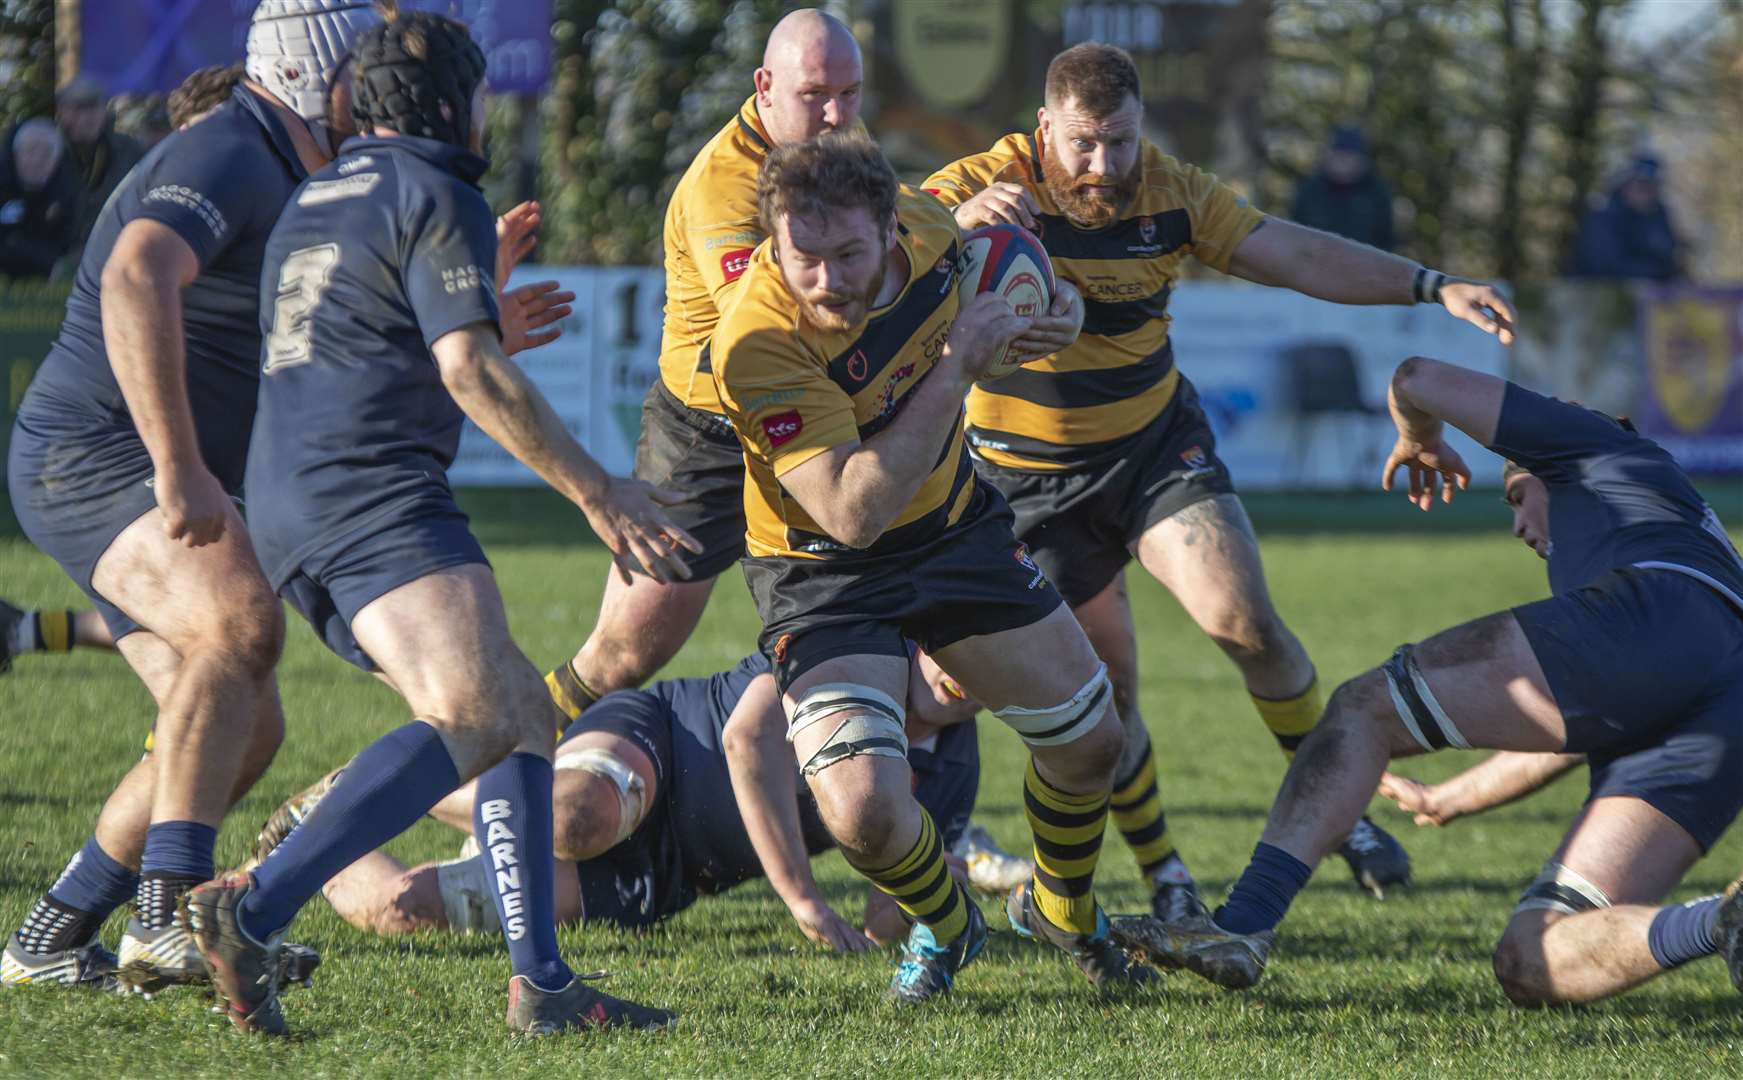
x,y
1411,374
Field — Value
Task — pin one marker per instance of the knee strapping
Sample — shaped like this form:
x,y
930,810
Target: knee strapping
x,y
873,724
631,791
1426,721
466,898
1063,723
1558,888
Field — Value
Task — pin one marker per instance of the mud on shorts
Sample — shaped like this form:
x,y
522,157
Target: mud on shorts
x,y
974,578
695,454
1647,667
1080,523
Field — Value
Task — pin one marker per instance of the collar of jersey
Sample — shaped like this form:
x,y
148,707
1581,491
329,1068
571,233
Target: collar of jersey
x,y
275,129
750,123
443,155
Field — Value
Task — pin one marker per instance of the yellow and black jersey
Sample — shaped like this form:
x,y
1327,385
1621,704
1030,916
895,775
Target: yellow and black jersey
x,y
793,392
1076,407
711,229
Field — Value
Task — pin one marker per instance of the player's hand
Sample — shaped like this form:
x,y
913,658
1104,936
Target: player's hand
x,y
822,925
1417,799
1426,465
526,311
517,233
632,522
1480,305
984,328
195,507
999,202
1055,331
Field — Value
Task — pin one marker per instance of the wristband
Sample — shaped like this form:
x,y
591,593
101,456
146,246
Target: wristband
x,y
1426,285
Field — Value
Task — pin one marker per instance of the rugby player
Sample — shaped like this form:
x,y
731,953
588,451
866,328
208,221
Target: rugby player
x,y
1635,661
29,630
381,334
809,84
1103,450
125,459
842,365
666,795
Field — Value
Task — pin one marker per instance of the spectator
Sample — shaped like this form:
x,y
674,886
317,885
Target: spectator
x,y
1630,235
39,199
100,155
1345,196
141,117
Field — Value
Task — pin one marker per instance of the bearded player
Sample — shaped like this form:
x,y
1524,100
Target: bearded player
x,y
1103,450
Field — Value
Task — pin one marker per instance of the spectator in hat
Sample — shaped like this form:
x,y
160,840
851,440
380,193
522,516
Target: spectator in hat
x,y
39,199
1630,235
1345,196
101,155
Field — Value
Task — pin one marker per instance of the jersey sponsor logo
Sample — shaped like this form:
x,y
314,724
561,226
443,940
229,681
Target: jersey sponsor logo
x,y
499,844
1197,462
1028,563
887,398
1115,291
461,279
781,644
320,192
1147,229
737,239
783,428
346,168
734,263
189,198
757,404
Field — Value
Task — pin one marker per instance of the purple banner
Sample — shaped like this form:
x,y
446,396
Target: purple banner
x,y
150,46
1691,393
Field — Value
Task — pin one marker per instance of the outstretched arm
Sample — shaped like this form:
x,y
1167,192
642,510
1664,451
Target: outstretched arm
x,y
767,789
1499,779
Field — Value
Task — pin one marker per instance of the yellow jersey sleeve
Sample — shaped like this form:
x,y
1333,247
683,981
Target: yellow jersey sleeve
x,y
962,180
1221,219
720,240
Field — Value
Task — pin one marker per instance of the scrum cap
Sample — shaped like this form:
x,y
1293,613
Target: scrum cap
x,y
296,46
407,70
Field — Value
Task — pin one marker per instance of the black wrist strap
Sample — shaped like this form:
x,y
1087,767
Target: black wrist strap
x,y
1426,285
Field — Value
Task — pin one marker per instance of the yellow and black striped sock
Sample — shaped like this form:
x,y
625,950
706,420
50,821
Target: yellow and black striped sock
x,y
54,631
921,885
569,690
1068,830
1290,719
1136,806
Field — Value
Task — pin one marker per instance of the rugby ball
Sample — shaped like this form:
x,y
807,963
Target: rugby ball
x,y
1010,261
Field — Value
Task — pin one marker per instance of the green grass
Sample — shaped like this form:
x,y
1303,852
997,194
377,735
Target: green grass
x,y
1359,987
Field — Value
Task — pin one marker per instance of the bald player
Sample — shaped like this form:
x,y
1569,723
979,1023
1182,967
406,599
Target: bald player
x,y
1102,449
809,84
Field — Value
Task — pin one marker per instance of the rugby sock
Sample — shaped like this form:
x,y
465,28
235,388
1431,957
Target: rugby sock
x,y
1685,932
1136,806
54,631
1267,887
511,816
382,792
1068,830
92,886
569,690
178,856
1290,719
920,884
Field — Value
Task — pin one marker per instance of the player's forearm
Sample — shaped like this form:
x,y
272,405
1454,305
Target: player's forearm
x,y
142,332
505,405
884,473
1502,778
1324,266
767,793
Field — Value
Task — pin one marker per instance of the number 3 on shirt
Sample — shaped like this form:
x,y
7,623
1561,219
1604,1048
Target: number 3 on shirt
x,y
301,281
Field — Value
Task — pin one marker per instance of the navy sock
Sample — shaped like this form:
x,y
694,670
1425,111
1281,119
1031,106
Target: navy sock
x,y
1685,932
1266,889
94,883
181,849
382,792
512,818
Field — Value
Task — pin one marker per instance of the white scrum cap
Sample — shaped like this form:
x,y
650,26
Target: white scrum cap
x,y
295,46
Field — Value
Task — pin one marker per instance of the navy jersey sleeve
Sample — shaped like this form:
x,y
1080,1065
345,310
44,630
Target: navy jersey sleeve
x,y
208,191
1548,436
450,253
947,779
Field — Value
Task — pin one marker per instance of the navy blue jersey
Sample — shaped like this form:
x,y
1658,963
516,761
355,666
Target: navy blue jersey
x,y
377,256
716,849
1616,498
220,186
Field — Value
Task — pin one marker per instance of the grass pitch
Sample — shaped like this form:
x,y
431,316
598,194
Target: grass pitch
x,y
1358,987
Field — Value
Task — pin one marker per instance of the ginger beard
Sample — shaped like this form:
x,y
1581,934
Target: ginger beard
x,y
1084,205
843,303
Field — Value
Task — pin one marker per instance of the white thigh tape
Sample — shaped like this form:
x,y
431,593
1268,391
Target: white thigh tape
x,y
873,725
631,792
466,895
1063,723
1558,888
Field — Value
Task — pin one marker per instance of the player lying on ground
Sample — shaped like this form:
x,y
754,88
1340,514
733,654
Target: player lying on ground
x,y
665,795
843,364
1103,450
1636,661
382,336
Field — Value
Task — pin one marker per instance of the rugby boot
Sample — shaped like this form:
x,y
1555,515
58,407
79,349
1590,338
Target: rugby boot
x,y
929,969
991,869
152,960
9,616
287,817
1730,932
1376,859
245,972
1100,959
577,1006
90,966
1173,893
1235,961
